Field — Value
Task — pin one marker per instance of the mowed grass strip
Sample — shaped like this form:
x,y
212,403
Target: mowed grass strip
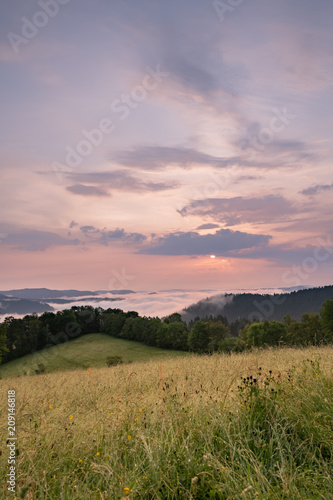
x,y
178,428
88,351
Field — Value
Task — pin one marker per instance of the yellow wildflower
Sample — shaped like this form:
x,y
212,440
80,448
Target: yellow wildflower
x,y
70,417
50,406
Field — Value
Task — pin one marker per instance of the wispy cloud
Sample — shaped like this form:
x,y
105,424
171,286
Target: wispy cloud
x,y
208,226
237,210
192,243
246,178
159,157
122,180
32,240
313,190
85,190
121,236
89,229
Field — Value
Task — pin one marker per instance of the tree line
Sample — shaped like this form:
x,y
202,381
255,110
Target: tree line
x,y
261,306
32,333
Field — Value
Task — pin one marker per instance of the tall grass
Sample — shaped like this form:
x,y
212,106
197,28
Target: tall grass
x,y
191,428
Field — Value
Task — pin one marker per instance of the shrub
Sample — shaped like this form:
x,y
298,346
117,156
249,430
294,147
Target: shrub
x,y
114,360
41,369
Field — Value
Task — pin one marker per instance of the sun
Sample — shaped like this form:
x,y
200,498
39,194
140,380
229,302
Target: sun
x,y
212,256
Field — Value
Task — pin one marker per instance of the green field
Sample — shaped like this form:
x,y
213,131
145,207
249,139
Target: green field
x,y
89,351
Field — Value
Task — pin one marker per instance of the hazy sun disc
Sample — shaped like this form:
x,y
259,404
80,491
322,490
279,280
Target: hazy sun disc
x,y
212,256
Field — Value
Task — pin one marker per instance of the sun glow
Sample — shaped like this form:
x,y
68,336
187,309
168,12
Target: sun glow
x,y
212,256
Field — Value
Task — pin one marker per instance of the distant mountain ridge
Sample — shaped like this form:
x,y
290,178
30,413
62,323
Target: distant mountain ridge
x,y
13,305
45,293
260,306
36,300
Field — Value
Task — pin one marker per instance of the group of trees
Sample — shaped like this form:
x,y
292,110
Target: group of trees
x,y
19,337
313,329
22,336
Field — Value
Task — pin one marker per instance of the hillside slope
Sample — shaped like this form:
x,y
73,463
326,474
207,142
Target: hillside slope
x,y
258,306
85,352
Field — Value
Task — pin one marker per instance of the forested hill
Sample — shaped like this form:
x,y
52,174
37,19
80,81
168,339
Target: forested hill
x,y
258,306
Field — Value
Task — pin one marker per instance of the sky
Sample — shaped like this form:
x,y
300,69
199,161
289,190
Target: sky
x,y
166,144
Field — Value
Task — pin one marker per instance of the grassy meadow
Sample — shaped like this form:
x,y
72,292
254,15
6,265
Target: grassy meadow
x,y
244,426
88,351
